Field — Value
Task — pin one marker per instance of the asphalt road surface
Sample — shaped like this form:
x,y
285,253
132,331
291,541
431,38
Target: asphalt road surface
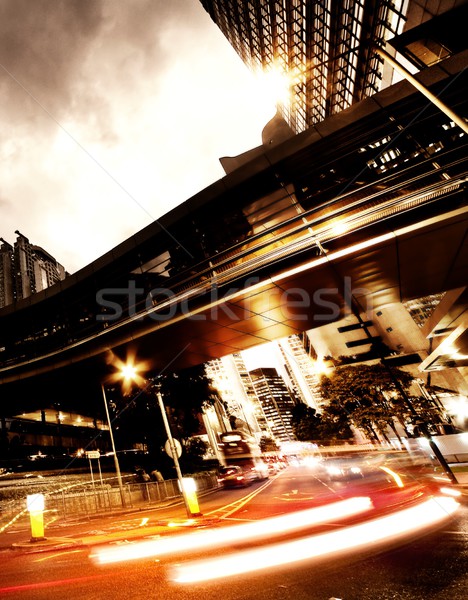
x,y
432,567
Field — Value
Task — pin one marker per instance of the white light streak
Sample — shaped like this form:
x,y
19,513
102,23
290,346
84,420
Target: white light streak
x,y
387,528
451,492
225,535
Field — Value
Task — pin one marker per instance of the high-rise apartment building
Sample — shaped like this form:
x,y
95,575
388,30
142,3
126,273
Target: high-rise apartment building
x,y
276,400
232,380
300,369
254,406
6,273
26,269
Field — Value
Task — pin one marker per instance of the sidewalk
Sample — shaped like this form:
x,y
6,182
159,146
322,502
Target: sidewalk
x,y
163,527
83,531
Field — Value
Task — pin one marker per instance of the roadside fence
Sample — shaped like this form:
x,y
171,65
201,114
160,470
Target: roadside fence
x,y
105,497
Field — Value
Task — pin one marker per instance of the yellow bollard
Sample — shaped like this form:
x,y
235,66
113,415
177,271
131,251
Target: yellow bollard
x,y
35,506
190,493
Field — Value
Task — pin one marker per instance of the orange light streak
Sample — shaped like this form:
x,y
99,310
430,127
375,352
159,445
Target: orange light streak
x,y
383,529
395,476
225,535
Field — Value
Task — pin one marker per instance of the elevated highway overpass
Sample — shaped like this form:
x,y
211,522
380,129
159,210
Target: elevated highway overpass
x,y
366,209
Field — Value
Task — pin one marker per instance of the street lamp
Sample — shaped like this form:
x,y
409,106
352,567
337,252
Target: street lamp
x,y
116,458
130,373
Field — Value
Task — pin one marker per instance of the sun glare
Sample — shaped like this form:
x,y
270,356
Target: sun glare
x,y
274,85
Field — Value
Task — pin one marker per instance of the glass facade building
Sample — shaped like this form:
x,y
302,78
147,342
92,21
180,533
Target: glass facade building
x,y
277,402
325,49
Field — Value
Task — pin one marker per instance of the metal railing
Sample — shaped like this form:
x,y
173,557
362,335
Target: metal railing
x,y
106,498
89,500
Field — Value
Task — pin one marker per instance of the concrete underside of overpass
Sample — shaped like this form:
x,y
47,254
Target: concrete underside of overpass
x,y
411,262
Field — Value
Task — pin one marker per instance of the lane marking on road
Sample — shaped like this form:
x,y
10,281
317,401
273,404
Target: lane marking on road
x,y
229,509
60,554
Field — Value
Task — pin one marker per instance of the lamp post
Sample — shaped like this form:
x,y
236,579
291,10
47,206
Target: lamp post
x,y
173,452
129,372
116,459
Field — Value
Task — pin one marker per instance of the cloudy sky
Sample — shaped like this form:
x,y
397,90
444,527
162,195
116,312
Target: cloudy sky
x,y
112,113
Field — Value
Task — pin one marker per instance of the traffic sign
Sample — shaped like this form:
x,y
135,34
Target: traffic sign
x,y
168,448
93,454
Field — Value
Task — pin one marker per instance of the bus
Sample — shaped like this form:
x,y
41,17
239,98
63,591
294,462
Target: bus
x,y
237,450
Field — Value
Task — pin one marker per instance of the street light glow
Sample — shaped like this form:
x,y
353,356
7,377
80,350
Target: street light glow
x,y
129,372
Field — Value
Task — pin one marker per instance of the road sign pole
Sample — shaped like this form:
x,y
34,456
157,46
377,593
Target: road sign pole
x,y
100,472
92,474
173,451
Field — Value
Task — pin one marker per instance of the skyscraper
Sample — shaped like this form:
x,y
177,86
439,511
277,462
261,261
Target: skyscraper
x,y
26,269
300,369
232,380
276,400
325,49
6,273
325,53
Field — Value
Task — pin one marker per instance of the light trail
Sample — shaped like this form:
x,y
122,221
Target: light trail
x,y
41,585
395,476
225,535
365,535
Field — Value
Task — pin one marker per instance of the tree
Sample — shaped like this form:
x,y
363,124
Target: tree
x,y
369,397
186,394
268,444
305,423
136,416
310,426
133,415
192,457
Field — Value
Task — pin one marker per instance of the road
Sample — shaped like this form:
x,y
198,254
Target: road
x,y
432,567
